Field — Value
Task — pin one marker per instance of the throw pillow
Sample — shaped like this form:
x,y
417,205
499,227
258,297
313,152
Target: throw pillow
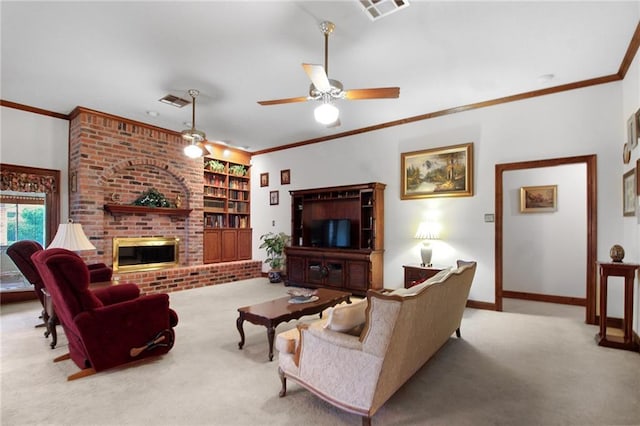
x,y
346,317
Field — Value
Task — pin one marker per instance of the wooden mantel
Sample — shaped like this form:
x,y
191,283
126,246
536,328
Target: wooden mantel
x,y
119,210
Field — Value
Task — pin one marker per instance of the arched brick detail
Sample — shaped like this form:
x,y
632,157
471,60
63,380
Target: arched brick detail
x,y
103,179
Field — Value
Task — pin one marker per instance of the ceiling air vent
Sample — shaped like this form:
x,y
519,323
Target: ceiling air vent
x,y
376,9
174,101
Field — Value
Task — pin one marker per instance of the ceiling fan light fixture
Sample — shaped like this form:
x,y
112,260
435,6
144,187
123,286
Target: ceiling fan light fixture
x,y
326,113
193,151
194,136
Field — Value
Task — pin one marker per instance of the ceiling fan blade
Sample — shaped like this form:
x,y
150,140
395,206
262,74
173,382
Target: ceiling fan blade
x,y
318,77
377,93
284,101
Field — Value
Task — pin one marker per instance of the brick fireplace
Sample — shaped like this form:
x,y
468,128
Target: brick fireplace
x,y
113,160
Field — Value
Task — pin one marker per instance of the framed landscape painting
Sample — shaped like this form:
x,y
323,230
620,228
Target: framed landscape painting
x,y
438,172
538,199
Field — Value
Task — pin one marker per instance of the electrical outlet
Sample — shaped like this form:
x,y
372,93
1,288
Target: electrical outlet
x,y
273,223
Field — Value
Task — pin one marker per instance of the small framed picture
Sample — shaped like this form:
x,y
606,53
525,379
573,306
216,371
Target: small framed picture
x,y
285,177
638,177
629,193
632,131
264,179
538,199
637,126
274,198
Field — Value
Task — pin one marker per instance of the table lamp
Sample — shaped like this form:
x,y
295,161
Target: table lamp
x,y
70,236
427,231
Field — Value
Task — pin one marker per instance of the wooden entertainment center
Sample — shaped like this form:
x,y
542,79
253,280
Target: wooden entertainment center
x,y
337,238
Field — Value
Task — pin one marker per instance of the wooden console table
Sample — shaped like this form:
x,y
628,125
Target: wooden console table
x,y
610,338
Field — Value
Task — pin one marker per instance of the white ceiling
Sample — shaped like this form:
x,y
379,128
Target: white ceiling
x,y
122,57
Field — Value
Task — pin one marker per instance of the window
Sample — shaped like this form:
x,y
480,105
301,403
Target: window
x,y
29,210
21,218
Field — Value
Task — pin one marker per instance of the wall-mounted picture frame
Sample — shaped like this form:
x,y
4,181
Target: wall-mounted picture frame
x,y
634,129
264,179
437,172
538,199
638,177
629,190
274,198
285,177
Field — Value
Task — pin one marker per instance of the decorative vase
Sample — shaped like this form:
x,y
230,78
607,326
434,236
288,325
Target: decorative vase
x,y
616,253
274,276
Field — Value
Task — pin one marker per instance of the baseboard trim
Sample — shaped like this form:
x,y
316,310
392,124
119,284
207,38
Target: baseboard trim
x,y
17,296
481,305
563,300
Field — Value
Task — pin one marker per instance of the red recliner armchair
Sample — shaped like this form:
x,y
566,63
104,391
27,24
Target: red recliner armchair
x,y
20,253
107,327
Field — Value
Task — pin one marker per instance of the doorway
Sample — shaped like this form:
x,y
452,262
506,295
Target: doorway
x,y
591,229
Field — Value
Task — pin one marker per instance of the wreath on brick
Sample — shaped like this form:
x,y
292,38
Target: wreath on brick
x,y
152,198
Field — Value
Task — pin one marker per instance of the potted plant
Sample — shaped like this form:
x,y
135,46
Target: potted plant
x,y
274,244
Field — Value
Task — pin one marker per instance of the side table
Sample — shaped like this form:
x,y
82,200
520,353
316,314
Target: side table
x,y
418,273
611,337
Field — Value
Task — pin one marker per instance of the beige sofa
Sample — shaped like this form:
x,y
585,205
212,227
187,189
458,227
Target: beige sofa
x,y
403,329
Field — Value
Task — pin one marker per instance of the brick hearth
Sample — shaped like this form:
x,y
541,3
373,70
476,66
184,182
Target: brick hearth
x,y
113,160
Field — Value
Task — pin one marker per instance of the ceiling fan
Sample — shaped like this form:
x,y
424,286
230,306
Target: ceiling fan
x,y
326,90
195,137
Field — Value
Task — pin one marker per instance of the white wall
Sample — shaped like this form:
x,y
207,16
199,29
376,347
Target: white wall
x,y
37,140
579,122
545,253
629,238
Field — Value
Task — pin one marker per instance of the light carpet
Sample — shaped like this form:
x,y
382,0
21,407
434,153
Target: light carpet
x,y
508,369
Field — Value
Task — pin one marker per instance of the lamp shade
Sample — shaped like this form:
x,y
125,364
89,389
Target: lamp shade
x,y
428,231
70,236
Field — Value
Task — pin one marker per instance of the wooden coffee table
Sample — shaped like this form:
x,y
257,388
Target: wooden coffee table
x,y
276,311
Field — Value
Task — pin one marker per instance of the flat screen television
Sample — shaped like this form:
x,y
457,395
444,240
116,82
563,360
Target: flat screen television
x,y
331,233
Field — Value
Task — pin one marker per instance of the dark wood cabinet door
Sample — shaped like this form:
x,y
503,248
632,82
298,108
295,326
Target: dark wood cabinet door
x,y
229,245
212,245
357,275
295,270
244,244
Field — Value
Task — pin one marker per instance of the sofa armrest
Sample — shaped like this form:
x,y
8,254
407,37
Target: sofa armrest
x,y
117,293
335,338
334,365
99,272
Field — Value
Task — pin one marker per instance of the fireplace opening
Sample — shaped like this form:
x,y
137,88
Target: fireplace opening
x,y
145,253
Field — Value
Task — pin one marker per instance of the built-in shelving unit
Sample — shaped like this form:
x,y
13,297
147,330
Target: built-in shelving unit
x,y
226,207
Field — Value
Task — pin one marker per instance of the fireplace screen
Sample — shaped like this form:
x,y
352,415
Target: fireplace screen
x,y
145,254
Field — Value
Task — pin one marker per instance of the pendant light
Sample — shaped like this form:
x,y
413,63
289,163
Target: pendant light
x,y
194,136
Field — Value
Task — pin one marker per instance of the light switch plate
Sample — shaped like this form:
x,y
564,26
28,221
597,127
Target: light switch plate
x,y
489,217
